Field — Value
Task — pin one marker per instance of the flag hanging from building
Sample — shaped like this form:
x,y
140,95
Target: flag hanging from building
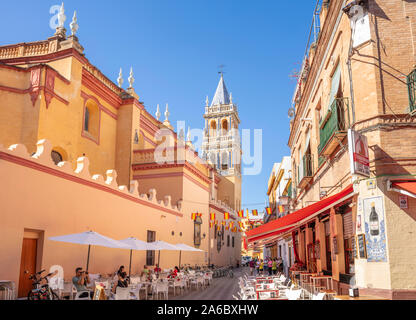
x,y
211,224
226,228
254,212
226,215
269,211
194,215
281,208
216,222
223,223
212,216
241,213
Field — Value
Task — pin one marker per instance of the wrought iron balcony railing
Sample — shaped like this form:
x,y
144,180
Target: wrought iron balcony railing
x,y
411,87
334,126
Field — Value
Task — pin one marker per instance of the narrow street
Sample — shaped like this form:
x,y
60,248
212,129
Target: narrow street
x,y
220,289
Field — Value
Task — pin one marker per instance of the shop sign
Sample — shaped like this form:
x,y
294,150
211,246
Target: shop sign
x,y
403,201
374,224
358,150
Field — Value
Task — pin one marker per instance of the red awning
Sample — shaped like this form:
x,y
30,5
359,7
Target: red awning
x,y
407,187
292,220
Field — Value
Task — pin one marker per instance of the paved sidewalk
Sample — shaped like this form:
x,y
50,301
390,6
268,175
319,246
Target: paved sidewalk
x,y
221,289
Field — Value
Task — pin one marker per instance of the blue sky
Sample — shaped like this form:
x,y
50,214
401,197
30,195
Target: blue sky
x,y
175,48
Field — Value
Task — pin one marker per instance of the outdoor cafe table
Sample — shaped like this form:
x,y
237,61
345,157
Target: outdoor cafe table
x,y
328,281
304,276
359,298
276,292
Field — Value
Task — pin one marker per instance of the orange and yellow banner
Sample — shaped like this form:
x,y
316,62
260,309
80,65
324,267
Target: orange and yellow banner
x,y
212,216
281,209
211,224
223,223
254,212
226,228
269,210
194,215
241,213
226,215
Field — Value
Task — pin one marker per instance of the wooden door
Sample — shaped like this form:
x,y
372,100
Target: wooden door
x,y
27,263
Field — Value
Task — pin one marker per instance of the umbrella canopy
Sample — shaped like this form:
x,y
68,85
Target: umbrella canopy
x,y
162,245
90,238
135,244
185,247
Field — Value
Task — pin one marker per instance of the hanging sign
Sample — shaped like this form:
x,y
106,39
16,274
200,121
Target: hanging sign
x,y
403,201
358,150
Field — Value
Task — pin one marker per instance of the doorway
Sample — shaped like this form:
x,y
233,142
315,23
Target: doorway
x,y
27,265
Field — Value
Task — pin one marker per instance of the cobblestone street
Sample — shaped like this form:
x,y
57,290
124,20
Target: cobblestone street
x,y
221,289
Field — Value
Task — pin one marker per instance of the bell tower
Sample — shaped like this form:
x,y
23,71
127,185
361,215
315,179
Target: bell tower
x,y
221,145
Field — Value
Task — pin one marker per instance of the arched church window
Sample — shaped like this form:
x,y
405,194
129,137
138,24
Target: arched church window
x,y
213,128
91,125
56,157
224,126
87,119
197,231
224,162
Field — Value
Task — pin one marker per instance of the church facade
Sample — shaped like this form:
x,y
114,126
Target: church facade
x,y
77,153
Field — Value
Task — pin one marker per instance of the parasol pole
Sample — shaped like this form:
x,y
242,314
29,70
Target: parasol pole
x,y
88,257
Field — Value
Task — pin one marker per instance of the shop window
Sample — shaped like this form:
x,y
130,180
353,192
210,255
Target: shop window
x,y
228,240
348,242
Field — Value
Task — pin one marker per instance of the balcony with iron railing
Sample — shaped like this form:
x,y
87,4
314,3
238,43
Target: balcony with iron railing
x,y
305,171
411,87
334,127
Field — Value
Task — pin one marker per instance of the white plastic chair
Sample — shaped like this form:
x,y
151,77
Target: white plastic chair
x,y
122,294
293,294
319,296
135,293
161,287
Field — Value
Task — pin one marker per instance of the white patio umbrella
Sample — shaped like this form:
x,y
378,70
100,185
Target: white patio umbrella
x,y
135,244
185,247
162,245
90,238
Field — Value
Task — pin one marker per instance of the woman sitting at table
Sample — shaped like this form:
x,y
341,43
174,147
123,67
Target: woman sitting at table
x,y
174,273
122,281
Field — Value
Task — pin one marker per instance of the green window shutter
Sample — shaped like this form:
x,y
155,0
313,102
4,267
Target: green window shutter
x,y
336,78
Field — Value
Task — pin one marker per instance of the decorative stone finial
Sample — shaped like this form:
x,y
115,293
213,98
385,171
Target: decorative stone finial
x,y
207,102
167,114
61,16
231,98
157,113
120,78
131,79
74,25
188,136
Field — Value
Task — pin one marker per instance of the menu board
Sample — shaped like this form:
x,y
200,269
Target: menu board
x,y
362,252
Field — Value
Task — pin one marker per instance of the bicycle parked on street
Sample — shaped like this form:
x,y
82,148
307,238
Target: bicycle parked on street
x,y
40,287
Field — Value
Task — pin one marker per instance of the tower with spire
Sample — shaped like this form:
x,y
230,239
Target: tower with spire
x,y
221,145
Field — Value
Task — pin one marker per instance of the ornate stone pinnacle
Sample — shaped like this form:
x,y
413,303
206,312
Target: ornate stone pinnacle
x,y
188,136
120,78
167,114
131,78
207,102
157,113
231,98
61,16
74,25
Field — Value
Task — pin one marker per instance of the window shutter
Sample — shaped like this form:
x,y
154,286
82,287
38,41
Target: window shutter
x,y
327,229
348,225
336,77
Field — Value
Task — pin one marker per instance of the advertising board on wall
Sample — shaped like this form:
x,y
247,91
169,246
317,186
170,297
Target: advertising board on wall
x,y
358,150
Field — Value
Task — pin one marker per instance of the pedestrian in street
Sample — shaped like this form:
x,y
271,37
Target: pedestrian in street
x,y
261,266
274,266
252,266
270,265
257,267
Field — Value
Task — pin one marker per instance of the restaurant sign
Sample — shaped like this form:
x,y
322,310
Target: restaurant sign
x,y
358,149
375,236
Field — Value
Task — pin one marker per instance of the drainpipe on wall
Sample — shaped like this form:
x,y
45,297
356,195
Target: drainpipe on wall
x,y
350,54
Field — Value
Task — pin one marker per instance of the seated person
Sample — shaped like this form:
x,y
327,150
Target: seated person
x,y
81,280
157,270
174,273
145,271
121,282
120,270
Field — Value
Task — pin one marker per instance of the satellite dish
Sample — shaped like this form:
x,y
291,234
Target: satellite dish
x,y
291,112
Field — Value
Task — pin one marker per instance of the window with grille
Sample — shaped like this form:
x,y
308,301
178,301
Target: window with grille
x,y
150,254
